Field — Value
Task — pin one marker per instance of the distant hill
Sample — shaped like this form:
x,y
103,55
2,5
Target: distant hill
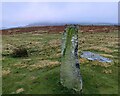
x,y
60,24
45,24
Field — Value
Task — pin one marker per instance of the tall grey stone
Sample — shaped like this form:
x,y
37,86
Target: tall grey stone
x,y
70,69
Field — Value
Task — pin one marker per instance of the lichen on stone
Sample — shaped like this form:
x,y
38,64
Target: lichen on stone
x,y
70,68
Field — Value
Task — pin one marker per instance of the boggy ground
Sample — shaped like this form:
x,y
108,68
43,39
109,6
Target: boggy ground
x,y
39,73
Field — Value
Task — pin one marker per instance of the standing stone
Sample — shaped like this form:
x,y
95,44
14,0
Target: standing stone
x,y
70,70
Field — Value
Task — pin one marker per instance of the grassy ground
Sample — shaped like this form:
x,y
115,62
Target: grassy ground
x,y
39,72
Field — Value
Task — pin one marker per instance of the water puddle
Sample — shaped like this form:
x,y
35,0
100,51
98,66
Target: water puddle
x,y
93,56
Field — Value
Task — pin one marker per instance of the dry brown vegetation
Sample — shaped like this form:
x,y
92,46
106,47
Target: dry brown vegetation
x,y
58,29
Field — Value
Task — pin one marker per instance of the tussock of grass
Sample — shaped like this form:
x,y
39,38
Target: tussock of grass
x,y
38,65
42,64
101,64
107,71
55,43
107,50
20,52
20,65
6,72
20,90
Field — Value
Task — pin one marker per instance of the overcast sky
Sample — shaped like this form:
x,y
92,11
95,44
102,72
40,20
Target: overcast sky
x,y
18,14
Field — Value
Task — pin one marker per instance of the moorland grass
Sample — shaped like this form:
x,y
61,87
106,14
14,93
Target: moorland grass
x,y
98,78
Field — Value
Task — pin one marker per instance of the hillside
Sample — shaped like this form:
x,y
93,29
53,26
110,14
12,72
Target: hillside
x,y
57,29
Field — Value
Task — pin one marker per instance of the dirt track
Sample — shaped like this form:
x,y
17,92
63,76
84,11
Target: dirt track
x,y
57,29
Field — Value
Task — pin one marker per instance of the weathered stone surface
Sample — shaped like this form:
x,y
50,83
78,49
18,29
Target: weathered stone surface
x,y
70,69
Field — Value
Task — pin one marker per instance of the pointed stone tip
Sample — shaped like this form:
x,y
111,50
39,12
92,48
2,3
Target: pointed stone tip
x,y
72,26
